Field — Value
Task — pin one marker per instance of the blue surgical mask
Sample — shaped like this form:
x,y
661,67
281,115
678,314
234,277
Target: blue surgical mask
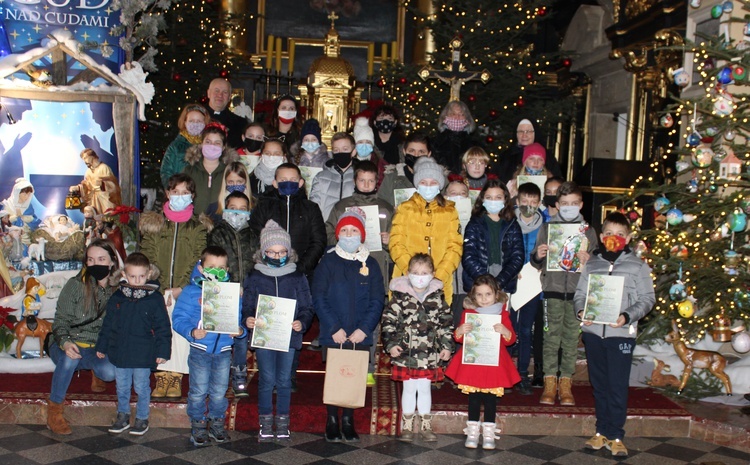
x,y
493,207
237,219
351,243
236,188
534,172
364,150
177,203
569,212
288,187
428,192
310,147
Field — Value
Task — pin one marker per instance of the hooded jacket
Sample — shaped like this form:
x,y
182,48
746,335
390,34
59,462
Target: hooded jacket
x,y
449,147
510,160
476,255
331,185
301,218
239,245
637,297
421,328
187,314
207,185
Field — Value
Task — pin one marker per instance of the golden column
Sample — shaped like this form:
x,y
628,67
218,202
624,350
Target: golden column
x,y
424,43
235,39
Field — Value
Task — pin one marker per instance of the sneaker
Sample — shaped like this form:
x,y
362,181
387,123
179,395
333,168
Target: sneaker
x,y
596,442
524,386
370,380
199,434
121,423
617,448
139,427
216,430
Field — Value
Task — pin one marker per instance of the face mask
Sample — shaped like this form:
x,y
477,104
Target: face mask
x,y
288,187
216,274
455,198
275,262
527,211
533,172
419,281
98,272
493,207
356,190
428,192
364,150
252,145
569,212
550,200
287,116
177,203
271,161
455,124
236,188
614,243
350,244
342,159
410,160
211,152
310,147
385,126
236,218
194,129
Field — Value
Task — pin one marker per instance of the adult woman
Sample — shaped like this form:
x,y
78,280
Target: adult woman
x,y
191,122
389,134
78,319
285,120
511,159
100,188
455,136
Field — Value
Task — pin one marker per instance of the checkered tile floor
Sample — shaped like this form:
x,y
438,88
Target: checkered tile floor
x,y
33,444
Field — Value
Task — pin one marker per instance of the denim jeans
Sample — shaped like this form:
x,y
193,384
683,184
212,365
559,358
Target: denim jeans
x,y
274,370
523,321
66,366
209,376
239,352
139,379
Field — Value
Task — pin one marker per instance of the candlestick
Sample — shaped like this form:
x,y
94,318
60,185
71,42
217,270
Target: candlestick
x,y
269,51
370,59
278,54
394,51
290,66
383,54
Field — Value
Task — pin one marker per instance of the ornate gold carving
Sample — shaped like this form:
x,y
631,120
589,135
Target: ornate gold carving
x,y
634,8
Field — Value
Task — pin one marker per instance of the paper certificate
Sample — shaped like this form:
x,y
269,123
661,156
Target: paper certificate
x,y
402,195
538,180
463,207
603,299
250,162
562,251
308,174
372,227
273,323
529,286
220,307
474,195
482,343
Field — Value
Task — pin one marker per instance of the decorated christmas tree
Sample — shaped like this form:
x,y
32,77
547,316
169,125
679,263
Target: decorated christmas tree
x,y
502,65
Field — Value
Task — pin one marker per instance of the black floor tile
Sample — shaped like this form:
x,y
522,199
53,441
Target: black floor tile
x,y
459,449
100,443
540,451
734,453
26,441
86,460
172,446
397,449
250,446
676,452
321,448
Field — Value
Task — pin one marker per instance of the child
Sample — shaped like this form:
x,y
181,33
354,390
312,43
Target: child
x,y
210,353
474,163
530,219
455,191
609,349
252,140
534,158
136,336
484,384
366,148
206,164
310,151
417,326
550,197
559,288
276,274
401,176
235,179
273,154
336,181
234,235
348,295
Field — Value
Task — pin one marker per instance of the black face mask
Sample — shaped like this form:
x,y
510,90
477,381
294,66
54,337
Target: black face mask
x,y
550,200
252,145
410,160
385,126
98,272
357,191
342,159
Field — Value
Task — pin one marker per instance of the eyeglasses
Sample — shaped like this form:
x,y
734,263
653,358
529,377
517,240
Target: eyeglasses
x,y
476,163
526,132
271,253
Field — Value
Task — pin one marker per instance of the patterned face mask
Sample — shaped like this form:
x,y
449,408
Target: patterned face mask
x,y
216,274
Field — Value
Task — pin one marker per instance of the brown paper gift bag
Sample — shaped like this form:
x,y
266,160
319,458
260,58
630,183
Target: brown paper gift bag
x,y
346,377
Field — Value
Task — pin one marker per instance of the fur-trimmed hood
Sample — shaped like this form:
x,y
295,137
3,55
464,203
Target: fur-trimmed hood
x,y
402,284
153,223
194,154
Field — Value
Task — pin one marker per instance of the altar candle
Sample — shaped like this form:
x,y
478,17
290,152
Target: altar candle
x,y
290,67
383,54
278,54
394,51
269,51
370,59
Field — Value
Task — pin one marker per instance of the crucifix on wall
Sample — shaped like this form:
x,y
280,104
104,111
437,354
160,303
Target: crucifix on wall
x,y
457,74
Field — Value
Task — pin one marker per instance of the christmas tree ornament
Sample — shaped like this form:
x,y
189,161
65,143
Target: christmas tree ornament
x,y
176,77
677,291
402,80
703,156
674,216
715,236
686,308
694,139
489,139
472,98
679,251
712,187
687,217
381,83
716,11
413,98
739,73
681,77
724,104
541,12
737,221
529,76
661,204
745,205
712,131
741,342
728,6
567,62
681,165
493,113
224,73
666,121
692,185
731,260
640,249
520,102
695,3
729,134
707,139
725,74
722,331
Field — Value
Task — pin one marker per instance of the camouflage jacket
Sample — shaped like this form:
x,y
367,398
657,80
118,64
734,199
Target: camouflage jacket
x,y
422,329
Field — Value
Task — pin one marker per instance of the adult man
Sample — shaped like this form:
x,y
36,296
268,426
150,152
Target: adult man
x,y
219,94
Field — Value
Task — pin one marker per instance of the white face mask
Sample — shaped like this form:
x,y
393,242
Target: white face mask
x,y
271,161
237,219
420,281
569,212
455,198
287,114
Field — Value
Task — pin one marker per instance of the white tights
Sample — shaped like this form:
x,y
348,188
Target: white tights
x,y
416,396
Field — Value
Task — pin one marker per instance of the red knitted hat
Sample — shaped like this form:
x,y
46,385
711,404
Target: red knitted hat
x,y
534,150
353,217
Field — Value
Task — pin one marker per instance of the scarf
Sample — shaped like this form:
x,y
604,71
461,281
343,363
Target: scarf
x,y
536,222
138,292
494,309
265,174
361,255
194,140
178,217
612,256
289,268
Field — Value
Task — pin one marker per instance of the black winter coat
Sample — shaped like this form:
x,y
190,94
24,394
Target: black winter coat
x,y
476,253
302,220
510,160
448,147
240,247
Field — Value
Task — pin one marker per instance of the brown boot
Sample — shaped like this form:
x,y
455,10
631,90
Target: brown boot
x,y
162,381
97,385
55,420
566,394
174,389
550,391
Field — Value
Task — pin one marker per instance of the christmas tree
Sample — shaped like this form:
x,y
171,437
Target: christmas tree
x,y
502,43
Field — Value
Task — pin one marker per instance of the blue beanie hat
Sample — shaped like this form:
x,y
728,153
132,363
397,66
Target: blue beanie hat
x,y
311,126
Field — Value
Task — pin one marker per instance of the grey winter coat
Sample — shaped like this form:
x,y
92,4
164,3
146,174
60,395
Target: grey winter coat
x,y
330,186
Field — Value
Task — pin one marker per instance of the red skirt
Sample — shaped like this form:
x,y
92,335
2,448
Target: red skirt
x,y
399,373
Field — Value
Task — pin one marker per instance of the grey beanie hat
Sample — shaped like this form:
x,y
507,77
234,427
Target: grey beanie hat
x,y
273,234
427,168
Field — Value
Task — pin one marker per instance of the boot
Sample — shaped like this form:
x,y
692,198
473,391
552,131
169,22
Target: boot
x,y
282,427
333,433
524,386
239,381
538,380
425,428
174,388
407,428
565,392
55,420
199,433
489,431
162,381
216,430
97,385
550,391
347,430
472,434
266,428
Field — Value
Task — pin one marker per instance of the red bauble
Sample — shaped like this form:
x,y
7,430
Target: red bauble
x,y
529,76
489,139
144,127
541,11
381,83
412,98
176,77
402,80
707,139
204,100
224,73
493,113
567,62
520,102
472,98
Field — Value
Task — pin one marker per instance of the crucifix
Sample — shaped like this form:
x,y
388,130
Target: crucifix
x,y
333,17
456,75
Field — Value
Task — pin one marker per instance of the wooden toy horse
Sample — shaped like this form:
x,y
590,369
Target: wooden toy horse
x,y
32,327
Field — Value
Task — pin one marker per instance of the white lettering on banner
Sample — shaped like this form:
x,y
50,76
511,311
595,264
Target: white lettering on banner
x,y
63,19
21,15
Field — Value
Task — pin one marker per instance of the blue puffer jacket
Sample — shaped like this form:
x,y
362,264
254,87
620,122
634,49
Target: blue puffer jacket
x,y
187,314
346,298
292,285
476,253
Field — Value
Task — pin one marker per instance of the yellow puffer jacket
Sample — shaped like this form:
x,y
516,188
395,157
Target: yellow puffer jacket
x,y
431,229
